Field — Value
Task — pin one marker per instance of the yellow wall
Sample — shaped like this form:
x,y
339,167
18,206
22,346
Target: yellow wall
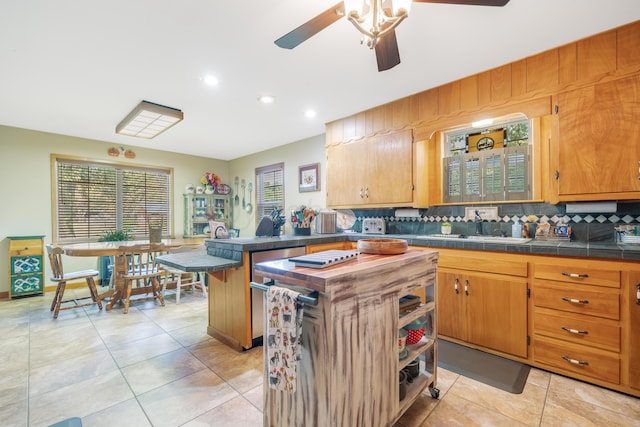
x,y
25,178
293,155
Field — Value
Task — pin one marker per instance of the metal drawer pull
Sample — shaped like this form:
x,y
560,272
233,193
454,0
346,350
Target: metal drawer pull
x,y
575,301
574,331
466,287
455,285
576,275
574,361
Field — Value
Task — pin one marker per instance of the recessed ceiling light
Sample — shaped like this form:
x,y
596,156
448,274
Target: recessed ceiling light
x,y
210,80
266,99
309,114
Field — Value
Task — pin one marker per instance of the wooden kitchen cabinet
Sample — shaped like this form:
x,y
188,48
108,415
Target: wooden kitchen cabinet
x,y
376,171
346,245
597,129
632,333
577,318
482,303
230,307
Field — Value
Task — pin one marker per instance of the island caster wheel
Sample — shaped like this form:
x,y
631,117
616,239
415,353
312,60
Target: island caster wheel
x,y
435,393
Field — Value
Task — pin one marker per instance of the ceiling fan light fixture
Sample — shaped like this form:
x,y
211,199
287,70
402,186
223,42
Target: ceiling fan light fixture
x,y
148,120
400,5
373,21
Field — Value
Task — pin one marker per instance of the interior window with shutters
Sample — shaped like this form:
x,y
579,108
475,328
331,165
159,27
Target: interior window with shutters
x,y
491,164
269,190
94,197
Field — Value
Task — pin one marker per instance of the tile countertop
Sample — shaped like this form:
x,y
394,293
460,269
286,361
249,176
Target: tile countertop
x,y
223,254
197,262
233,248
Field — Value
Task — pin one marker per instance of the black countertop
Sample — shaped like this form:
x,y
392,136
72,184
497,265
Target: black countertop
x,y
230,248
223,254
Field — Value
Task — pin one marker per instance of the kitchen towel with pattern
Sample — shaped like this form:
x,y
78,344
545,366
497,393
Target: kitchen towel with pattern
x,y
284,336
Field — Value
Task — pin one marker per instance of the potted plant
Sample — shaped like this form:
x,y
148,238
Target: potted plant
x,y
107,261
445,228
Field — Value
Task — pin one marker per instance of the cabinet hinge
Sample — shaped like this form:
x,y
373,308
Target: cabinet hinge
x,y
528,292
528,340
557,109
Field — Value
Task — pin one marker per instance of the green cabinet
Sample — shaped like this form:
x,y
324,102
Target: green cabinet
x,y
199,209
26,265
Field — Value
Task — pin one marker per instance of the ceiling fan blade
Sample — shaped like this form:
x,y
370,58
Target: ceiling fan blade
x,y
469,2
387,52
311,27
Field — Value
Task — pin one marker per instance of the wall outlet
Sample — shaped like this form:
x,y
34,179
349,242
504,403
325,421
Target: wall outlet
x,y
487,213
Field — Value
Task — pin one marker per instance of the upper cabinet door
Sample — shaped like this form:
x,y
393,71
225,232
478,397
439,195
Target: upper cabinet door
x,y
376,171
598,141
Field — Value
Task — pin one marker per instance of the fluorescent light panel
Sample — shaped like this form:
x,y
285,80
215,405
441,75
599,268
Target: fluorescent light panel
x,y
148,120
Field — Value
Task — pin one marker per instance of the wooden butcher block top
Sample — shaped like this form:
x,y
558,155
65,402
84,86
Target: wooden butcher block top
x,y
353,274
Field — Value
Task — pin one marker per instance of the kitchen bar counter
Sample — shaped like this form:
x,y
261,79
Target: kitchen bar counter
x,y
197,262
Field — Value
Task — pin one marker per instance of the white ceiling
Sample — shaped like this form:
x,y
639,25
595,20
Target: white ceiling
x,y
78,67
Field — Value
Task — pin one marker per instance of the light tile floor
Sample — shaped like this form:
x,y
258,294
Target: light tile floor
x,y
156,366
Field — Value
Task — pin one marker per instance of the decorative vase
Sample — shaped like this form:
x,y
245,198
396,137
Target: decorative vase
x,y
208,189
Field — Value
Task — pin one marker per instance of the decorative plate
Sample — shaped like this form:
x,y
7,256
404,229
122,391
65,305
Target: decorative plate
x,y
189,188
223,189
345,219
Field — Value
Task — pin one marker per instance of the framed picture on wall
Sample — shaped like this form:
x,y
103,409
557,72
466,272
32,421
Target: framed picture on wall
x,y
309,177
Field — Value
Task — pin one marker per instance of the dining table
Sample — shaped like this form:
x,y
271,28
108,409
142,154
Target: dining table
x,y
120,265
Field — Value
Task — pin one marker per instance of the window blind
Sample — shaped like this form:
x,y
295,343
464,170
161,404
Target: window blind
x,y
93,198
269,190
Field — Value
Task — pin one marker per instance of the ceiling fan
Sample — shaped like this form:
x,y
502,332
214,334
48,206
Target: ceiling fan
x,y
375,19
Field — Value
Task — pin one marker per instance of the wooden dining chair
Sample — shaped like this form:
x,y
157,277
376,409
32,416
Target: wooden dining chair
x,y
55,260
142,269
184,279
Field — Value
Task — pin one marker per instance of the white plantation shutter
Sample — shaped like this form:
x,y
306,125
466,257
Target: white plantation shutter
x,y
93,197
269,190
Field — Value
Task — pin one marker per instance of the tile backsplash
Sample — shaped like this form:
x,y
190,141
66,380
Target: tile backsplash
x,y
586,227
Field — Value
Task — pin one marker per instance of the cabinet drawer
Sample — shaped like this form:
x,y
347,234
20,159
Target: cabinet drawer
x,y
486,263
578,329
583,300
27,284
578,274
26,264
595,363
25,247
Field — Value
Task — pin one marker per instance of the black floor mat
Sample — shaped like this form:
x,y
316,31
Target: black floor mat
x,y
496,371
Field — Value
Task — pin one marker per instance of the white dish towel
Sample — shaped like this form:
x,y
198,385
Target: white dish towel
x,y
284,337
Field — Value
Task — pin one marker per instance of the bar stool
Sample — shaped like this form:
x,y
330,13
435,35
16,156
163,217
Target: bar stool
x,y
194,280
55,259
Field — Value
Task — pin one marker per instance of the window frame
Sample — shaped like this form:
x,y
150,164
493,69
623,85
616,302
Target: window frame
x,y
262,207
482,176
166,205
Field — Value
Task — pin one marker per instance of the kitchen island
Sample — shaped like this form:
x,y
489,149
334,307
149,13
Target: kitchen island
x,y
348,374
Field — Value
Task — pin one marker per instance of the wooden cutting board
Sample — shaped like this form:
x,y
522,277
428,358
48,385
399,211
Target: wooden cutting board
x,y
382,246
